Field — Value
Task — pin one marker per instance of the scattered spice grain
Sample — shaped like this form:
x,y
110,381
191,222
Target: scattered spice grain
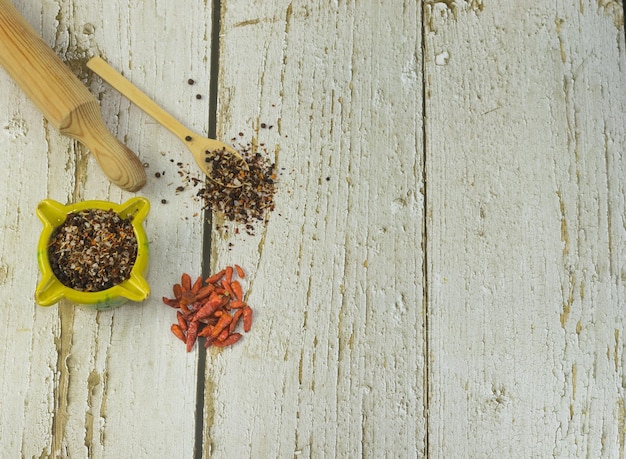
x,y
93,250
244,205
251,201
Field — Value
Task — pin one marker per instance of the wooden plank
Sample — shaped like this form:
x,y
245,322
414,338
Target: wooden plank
x,y
526,236
107,384
518,299
28,358
334,364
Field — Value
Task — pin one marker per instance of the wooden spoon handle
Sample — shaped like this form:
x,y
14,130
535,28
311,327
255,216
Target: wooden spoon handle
x,y
62,98
136,96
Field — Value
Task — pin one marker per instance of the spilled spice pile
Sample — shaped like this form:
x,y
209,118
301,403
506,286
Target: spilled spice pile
x,y
252,200
93,250
227,169
211,309
246,204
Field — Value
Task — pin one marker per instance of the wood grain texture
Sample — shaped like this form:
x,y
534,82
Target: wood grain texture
x,y
444,274
335,364
108,384
526,230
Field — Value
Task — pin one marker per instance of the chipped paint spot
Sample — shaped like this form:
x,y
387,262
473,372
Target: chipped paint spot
x,y
63,344
16,127
208,414
567,306
247,23
409,74
574,379
89,29
93,381
442,58
621,423
616,353
449,9
4,273
564,232
559,31
614,10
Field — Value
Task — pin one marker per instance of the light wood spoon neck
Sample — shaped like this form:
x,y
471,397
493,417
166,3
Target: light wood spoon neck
x,y
139,98
200,147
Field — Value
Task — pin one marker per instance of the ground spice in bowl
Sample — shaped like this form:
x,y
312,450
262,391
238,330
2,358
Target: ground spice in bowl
x,y
93,250
93,253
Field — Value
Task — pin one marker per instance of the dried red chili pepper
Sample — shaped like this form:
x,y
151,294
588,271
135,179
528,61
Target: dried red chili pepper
x,y
204,292
216,277
192,334
221,325
173,303
222,336
178,332
210,309
206,311
228,288
232,339
186,281
206,331
182,323
235,321
229,274
247,318
178,291
237,290
197,285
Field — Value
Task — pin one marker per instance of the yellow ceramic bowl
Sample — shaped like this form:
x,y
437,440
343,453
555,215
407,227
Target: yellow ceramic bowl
x,y
50,290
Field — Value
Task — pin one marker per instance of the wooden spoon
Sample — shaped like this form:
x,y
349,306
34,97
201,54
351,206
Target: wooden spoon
x,y
62,98
220,162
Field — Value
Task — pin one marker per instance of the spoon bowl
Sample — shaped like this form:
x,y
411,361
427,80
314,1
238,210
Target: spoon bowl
x,y
220,162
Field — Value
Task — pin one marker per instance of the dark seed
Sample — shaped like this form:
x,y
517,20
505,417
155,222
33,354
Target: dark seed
x,y
190,81
188,138
198,96
157,175
163,201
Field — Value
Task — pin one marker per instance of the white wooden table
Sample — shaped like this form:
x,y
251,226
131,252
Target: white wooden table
x,y
445,271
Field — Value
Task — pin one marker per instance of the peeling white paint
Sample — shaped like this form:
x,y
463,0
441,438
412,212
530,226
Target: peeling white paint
x,y
442,58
